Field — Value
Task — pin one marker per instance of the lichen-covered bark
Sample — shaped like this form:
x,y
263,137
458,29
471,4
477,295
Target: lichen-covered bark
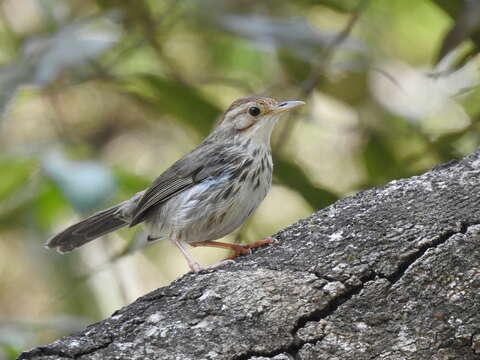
x,y
391,273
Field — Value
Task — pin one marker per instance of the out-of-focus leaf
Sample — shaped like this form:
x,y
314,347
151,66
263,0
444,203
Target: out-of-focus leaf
x,y
53,12
290,174
11,77
297,69
49,204
9,352
466,15
297,35
43,58
70,46
414,94
380,161
445,145
351,88
14,174
471,101
184,102
130,183
86,184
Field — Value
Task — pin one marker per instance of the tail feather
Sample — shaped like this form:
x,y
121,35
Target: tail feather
x,y
87,230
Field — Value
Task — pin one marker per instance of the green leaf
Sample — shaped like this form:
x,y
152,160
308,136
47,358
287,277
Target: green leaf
x,y
15,173
49,205
184,102
9,352
292,175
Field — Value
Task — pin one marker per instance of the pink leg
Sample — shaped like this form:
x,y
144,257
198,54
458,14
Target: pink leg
x,y
195,266
237,249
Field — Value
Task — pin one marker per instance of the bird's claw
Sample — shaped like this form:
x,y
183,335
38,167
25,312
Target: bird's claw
x,y
247,249
196,267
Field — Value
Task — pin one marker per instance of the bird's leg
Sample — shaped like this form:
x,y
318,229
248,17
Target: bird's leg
x,y
195,266
237,249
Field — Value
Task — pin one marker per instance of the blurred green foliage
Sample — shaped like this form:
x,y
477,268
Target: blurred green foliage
x,y
98,97
15,173
180,100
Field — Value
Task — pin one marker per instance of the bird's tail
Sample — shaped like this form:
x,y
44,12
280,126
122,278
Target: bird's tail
x,y
87,230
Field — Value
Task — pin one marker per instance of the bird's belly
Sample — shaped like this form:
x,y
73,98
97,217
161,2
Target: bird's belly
x,y
223,222
209,210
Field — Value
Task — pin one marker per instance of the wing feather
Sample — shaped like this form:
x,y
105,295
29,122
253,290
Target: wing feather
x,y
179,177
157,194
192,169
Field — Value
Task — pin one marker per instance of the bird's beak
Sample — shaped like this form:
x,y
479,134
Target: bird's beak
x,y
286,106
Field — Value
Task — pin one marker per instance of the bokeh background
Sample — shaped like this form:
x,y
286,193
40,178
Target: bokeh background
x,y
98,97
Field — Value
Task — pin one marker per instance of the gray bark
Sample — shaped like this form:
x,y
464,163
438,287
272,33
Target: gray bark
x,y
390,273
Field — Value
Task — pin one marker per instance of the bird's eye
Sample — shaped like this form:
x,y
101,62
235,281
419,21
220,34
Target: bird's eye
x,y
254,111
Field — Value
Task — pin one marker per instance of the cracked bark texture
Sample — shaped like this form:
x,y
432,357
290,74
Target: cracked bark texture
x,y
390,273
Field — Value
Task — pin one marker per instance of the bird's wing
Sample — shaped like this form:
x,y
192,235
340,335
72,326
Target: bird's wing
x,y
179,177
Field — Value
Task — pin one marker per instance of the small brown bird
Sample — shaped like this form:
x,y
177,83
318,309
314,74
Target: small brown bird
x,y
206,194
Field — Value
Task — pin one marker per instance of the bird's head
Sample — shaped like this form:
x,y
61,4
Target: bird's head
x,y
254,117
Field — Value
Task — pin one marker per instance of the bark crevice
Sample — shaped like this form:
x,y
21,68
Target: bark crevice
x,y
411,259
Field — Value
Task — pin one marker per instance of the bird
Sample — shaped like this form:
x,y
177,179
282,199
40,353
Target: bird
x,y
206,194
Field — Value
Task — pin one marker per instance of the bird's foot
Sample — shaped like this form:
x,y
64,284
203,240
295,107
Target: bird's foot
x,y
236,248
196,267
247,249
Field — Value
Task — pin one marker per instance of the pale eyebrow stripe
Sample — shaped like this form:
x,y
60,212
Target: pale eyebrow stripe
x,y
239,110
